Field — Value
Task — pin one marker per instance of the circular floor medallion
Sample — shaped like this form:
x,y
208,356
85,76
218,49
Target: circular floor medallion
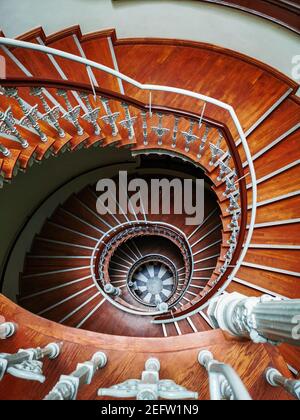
x,y
152,281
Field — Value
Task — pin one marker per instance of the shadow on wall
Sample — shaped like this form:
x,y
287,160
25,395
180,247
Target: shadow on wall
x,y
27,191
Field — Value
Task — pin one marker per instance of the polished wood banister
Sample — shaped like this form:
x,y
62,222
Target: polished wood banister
x,y
81,87
67,85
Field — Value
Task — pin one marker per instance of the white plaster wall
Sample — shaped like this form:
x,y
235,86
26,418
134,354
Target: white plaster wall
x,y
192,20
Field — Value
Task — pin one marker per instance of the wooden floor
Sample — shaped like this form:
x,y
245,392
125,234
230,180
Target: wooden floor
x,y
177,355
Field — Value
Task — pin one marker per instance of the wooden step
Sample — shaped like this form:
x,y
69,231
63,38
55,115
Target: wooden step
x,y
79,346
71,221
109,320
291,355
11,165
282,259
279,211
282,284
63,310
200,67
44,246
279,156
282,184
56,232
279,122
40,264
38,283
41,302
288,234
98,46
242,289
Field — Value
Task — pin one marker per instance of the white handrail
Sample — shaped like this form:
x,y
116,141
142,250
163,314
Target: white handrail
x,y
148,87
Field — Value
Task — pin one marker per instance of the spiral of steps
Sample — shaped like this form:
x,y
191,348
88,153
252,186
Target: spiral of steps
x,y
61,279
63,271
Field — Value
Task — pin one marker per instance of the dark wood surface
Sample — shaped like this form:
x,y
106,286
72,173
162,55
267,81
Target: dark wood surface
x,y
126,358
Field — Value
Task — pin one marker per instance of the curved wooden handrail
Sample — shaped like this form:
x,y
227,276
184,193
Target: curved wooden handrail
x,y
82,87
39,326
67,85
127,356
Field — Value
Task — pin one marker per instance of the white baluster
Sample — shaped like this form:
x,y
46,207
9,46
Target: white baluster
x,y
216,151
189,136
92,115
129,121
145,128
230,185
30,119
111,290
175,132
224,168
51,115
4,150
203,141
68,385
7,330
149,387
224,382
160,130
26,364
72,115
233,202
274,378
7,126
110,118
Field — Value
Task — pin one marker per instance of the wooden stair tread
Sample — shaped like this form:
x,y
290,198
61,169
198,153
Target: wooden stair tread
x,y
200,70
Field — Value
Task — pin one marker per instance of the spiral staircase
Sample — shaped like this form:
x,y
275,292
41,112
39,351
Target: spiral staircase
x,y
137,284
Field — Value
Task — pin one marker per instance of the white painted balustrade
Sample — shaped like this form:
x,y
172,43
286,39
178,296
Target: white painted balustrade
x,y
149,387
26,364
68,385
275,379
224,382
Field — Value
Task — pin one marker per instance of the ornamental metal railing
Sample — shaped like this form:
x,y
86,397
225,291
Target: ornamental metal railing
x,y
227,161
224,382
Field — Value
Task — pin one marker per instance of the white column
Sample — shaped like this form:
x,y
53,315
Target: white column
x,y
263,319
